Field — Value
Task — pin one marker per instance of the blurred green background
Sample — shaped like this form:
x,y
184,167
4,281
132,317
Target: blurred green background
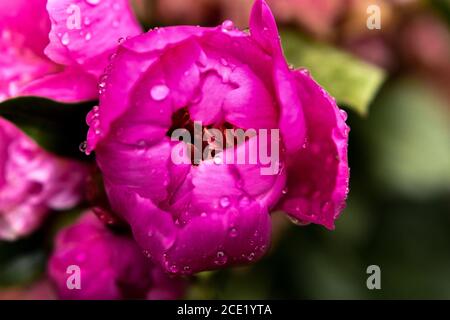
x,y
395,85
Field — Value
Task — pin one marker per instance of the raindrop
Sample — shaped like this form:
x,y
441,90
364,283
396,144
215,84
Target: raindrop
x,y
159,92
173,268
224,202
88,36
251,256
187,268
65,39
120,40
87,21
112,56
297,221
227,25
217,160
93,2
284,191
233,232
83,146
244,201
221,258
343,114
147,254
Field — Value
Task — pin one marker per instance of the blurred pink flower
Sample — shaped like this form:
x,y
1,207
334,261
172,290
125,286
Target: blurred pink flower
x,y
211,215
66,67
33,182
111,265
317,16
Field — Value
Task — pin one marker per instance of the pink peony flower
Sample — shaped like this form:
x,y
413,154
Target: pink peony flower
x,y
66,67
110,266
33,182
193,216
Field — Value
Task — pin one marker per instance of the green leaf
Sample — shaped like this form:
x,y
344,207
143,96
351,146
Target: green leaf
x,y
352,82
59,128
409,138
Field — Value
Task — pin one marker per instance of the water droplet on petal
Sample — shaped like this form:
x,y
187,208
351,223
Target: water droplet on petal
x,y
93,2
284,191
227,25
146,253
159,92
173,268
244,201
65,39
297,221
343,114
88,36
221,258
83,146
87,21
224,202
187,269
233,232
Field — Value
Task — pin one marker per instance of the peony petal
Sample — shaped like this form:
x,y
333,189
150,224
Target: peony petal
x,y
83,31
69,86
318,174
292,123
25,21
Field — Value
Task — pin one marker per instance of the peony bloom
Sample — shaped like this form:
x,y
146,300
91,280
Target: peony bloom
x,y
58,48
33,182
193,216
110,266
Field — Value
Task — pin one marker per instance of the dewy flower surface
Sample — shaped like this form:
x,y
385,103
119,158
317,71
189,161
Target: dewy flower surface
x,y
193,217
111,266
42,54
33,182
